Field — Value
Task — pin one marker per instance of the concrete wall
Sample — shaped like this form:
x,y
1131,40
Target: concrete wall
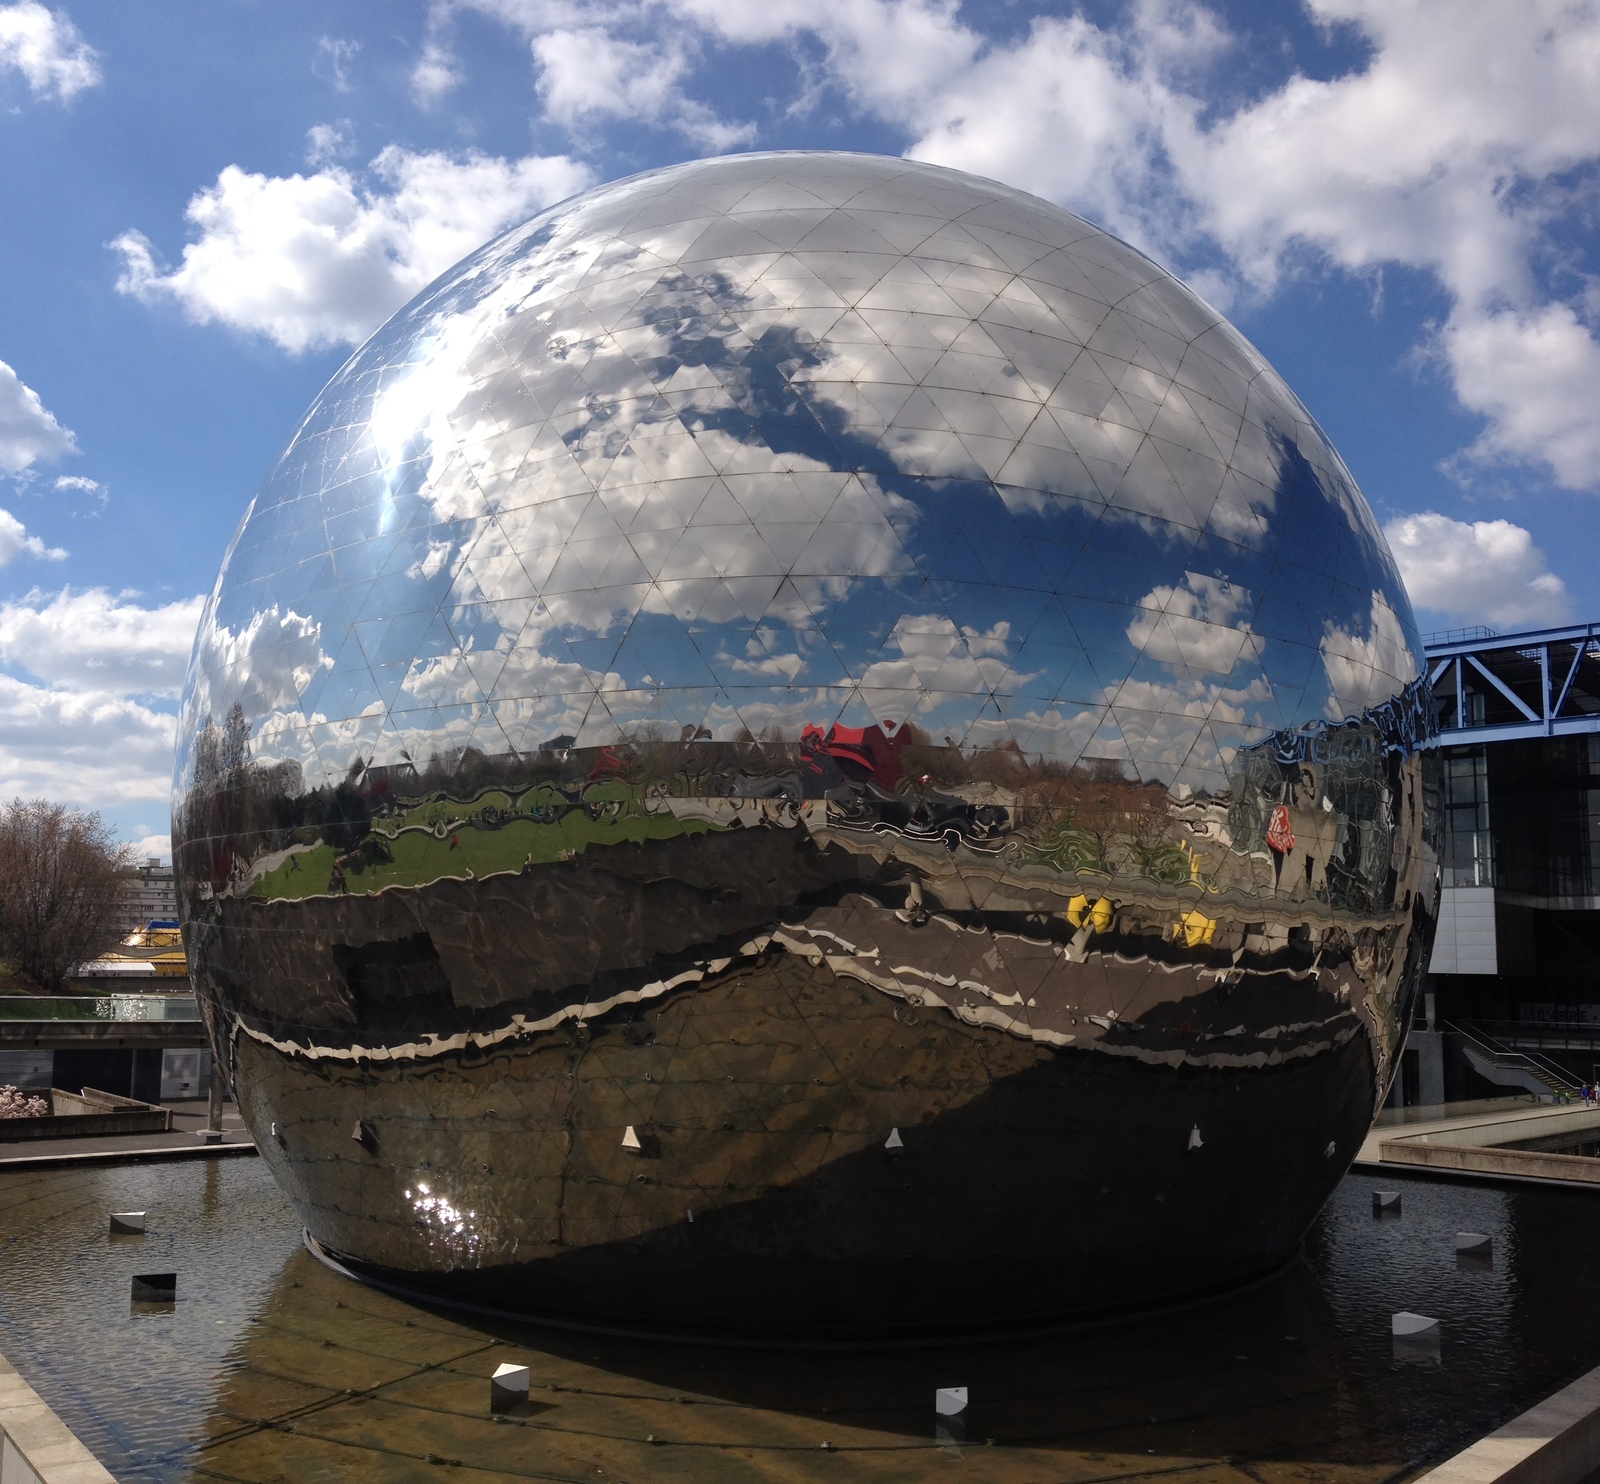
x,y
36,1446
1477,1145
1465,942
1489,1131
1556,1442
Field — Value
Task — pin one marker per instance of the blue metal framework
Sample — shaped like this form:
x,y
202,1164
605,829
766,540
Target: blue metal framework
x,y
1510,687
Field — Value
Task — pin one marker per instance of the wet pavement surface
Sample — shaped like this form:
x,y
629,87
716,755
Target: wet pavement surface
x,y
270,1366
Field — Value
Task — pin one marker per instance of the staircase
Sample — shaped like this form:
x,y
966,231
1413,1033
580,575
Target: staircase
x,y
1531,1071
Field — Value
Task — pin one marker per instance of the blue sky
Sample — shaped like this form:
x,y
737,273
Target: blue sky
x,y
205,206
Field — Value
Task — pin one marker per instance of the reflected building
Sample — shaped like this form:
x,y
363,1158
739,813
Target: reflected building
x,y
807,742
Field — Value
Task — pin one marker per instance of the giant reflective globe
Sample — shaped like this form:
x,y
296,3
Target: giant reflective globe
x,y
806,744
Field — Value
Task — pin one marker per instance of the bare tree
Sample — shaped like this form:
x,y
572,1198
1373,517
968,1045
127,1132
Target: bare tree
x,y
62,876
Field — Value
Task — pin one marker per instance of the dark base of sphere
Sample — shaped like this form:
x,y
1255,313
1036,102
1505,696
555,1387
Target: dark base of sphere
x,y
1035,1186
506,1300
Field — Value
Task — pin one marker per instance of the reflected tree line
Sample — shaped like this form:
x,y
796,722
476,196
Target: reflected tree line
x,y
1310,813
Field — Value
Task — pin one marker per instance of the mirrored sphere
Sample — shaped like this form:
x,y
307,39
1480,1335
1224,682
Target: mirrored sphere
x,y
806,742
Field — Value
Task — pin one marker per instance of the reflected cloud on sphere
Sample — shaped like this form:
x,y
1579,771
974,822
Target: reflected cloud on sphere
x,y
648,432
786,648
1364,671
1191,626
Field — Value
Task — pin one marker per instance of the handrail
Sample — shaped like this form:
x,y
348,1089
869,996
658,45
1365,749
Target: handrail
x,y
99,1007
1538,1030
1542,1067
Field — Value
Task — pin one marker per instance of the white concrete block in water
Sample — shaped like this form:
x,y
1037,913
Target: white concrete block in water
x,y
1386,1202
1474,1244
1408,1326
1195,1141
127,1223
950,1401
630,1141
508,1388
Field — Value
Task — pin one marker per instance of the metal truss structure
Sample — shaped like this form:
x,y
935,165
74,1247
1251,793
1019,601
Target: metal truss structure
x,y
1508,687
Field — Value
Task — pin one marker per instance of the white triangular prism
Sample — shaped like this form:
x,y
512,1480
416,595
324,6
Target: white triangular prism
x,y
894,1141
630,1140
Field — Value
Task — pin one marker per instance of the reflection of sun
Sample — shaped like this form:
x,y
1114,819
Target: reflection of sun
x,y
440,1217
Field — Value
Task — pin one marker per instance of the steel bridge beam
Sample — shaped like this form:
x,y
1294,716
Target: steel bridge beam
x,y
1515,687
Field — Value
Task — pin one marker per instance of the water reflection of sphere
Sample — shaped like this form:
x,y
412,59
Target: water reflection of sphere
x,y
827,694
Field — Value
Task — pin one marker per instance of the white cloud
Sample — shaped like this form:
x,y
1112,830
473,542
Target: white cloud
x,y
45,47
333,59
437,70
1454,148
82,747
78,484
148,845
94,640
28,430
326,143
1535,375
1447,152
317,260
1487,571
586,72
15,541
85,715
1363,672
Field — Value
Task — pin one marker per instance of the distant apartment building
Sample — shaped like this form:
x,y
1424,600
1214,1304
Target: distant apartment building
x,y
150,896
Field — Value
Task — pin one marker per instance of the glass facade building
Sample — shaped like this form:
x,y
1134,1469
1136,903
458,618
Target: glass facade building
x,y
794,731
1515,972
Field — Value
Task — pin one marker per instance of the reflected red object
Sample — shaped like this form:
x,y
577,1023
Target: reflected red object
x,y
1279,836
861,752
612,764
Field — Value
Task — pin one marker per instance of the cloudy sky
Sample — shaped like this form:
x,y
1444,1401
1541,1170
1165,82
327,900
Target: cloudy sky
x,y
205,206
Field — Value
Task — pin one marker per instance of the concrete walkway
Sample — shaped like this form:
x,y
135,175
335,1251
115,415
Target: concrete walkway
x,y
183,1142
1477,1144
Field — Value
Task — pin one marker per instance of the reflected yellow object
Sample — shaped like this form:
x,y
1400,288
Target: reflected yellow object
x,y
1098,916
1195,929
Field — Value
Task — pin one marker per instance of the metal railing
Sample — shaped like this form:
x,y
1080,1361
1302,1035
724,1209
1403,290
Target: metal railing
x,y
1510,687
1539,1035
99,1007
1541,1067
